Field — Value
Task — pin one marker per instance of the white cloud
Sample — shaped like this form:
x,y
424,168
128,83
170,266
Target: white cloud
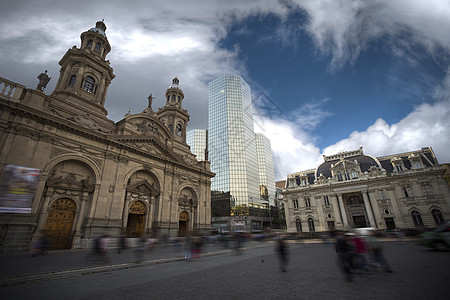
x,y
343,28
426,126
151,44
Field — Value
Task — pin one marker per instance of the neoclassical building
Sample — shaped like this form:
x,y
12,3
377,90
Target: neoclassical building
x,y
72,174
352,189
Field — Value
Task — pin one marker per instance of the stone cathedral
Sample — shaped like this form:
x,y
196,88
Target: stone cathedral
x,y
72,174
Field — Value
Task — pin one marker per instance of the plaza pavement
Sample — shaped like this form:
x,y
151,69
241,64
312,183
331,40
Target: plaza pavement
x,y
312,274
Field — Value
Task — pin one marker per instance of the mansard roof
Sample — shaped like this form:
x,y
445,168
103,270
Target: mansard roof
x,y
365,162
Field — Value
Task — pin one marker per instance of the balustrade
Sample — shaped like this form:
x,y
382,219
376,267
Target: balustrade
x,y
10,90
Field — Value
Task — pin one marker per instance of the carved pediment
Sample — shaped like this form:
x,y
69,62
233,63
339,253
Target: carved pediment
x,y
187,202
151,145
143,187
143,124
70,181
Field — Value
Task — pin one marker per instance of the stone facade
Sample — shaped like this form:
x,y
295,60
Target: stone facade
x,y
136,177
351,190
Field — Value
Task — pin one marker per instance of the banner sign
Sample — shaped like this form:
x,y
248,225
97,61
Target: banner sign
x,y
17,188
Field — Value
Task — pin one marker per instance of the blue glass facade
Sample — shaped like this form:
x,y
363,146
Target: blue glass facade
x,y
232,144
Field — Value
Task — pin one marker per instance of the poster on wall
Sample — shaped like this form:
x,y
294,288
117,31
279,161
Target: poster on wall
x,y
17,188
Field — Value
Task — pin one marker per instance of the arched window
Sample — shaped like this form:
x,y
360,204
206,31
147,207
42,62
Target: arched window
x,y
437,216
179,129
72,80
354,174
339,176
311,225
173,98
417,218
88,85
178,98
98,46
171,128
307,202
89,43
298,225
295,203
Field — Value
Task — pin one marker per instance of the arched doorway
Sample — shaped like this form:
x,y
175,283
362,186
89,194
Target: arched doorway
x,y
357,211
58,226
183,224
136,219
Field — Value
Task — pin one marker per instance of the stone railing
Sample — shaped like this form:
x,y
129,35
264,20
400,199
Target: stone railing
x,y
10,90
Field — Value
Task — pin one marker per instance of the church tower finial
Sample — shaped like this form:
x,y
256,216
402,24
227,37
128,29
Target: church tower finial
x,y
85,73
172,114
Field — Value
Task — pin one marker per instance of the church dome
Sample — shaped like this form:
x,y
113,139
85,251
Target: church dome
x,y
99,28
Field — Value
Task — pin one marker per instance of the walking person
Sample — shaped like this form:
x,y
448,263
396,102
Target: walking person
x,y
343,251
376,251
281,248
122,244
187,247
140,249
103,247
359,255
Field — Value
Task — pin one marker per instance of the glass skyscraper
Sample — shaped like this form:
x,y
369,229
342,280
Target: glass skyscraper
x,y
232,143
265,166
197,139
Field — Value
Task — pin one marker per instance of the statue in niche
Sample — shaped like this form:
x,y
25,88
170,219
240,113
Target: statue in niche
x,y
43,81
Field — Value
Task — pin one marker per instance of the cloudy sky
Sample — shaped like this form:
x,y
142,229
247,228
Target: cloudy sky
x,y
326,75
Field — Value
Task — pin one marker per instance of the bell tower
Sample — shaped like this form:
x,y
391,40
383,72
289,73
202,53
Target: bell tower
x,y
172,114
85,73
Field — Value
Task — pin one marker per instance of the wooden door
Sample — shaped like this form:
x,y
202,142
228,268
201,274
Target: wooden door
x,y
59,223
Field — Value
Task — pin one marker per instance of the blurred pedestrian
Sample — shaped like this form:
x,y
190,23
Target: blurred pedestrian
x,y
376,252
176,244
237,243
187,248
343,251
282,253
140,249
36,248
359,253
122,243
103,248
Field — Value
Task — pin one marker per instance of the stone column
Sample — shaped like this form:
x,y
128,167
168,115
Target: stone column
x,y
375,209
79,77
336,213
318,204
151,213
125,211
343,213
369,210
79,222
63,80
100,91
398,217
44,210
81,213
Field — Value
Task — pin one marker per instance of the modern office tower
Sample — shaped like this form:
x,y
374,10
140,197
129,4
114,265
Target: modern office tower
x,y
197,139
232,149
265,167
